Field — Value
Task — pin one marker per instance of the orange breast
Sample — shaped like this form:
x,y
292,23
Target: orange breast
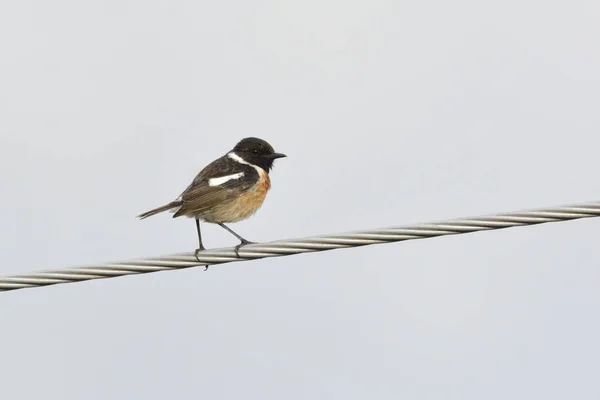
x,y
243,206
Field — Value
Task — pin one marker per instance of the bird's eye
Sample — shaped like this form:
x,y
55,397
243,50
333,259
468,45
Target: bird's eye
x,y
255,151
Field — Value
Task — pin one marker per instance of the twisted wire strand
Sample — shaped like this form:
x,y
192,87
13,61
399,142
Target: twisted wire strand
x,y
303,245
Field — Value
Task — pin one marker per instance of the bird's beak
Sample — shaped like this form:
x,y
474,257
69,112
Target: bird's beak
x,y
275,155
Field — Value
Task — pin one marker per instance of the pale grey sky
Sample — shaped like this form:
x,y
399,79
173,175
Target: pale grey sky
x,y
390,112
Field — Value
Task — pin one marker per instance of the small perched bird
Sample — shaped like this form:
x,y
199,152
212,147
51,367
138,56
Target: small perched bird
x,y
229,189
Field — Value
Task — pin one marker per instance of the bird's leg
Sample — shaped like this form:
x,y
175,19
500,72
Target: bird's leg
x,y
241,239
244,241
200,245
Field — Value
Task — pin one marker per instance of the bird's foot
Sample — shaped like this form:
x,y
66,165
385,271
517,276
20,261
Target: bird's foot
x,y
198,250
242,243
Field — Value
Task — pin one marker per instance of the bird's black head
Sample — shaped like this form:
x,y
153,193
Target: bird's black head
x,y
257,152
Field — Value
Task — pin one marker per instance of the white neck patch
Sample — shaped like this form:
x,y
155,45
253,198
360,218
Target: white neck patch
x,y
223,179
239,159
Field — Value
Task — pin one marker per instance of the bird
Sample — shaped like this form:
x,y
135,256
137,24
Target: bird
x,y
230,189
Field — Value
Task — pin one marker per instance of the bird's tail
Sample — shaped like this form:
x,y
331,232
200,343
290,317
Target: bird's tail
x,y
170,206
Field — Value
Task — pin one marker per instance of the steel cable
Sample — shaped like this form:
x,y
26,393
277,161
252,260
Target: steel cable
x,y
304,245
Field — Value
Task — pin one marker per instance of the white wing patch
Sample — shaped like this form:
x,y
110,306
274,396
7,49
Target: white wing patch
x,y
223,179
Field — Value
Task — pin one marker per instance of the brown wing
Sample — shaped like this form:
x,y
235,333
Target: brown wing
x,y
199,196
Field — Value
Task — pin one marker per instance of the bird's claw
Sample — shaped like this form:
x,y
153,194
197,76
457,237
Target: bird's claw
x,y
242,243
198,250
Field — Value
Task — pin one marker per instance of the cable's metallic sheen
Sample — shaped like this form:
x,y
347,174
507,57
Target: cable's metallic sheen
x,y
306,245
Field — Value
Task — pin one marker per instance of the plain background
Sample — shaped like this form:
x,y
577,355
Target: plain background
x,y
391,113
